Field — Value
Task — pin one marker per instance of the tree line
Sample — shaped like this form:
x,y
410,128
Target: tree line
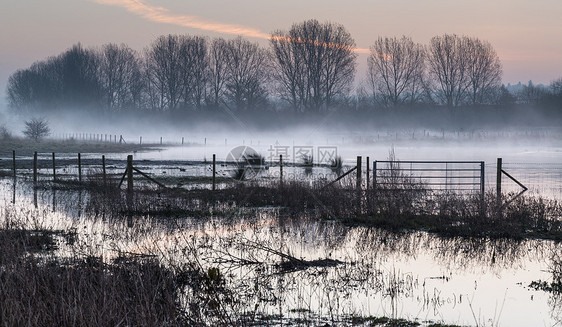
x,y
309,68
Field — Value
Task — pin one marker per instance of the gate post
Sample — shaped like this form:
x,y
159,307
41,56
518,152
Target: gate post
x,y
358,183
499,181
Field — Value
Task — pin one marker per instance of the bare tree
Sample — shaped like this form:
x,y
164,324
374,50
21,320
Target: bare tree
x,y
448,68
396,70
484,70
21,89
194,69
120,73
5,133
532,94
78,71
289,70
465,69
339,69
246,74
164,72
217,71
314,63
37,128
556,87
69,79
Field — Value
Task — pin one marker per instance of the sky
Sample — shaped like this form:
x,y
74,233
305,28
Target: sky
x,y
527,35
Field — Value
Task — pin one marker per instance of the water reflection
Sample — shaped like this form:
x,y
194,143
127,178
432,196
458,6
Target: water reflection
x,y
400,275
14,191
54,195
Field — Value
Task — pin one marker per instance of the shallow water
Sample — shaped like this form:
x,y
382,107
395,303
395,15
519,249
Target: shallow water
x,y
536,163
417,275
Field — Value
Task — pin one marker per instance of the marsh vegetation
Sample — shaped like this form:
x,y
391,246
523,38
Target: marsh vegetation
x,y
265,252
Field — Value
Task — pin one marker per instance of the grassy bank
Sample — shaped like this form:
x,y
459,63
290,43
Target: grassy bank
x,y
26,147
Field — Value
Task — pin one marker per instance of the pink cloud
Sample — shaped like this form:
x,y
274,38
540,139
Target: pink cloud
x,y
162,15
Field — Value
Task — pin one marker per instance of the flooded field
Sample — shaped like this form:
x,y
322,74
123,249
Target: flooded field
x,y
272,267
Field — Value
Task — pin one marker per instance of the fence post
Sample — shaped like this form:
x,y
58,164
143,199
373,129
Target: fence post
x,y
499,181
79,168
130,190
140,140
374,174
482,190
14,161
160,140
103,169
130,174
54,169
214,169
358,186
35,167
281,168
182,140
368,177
482,179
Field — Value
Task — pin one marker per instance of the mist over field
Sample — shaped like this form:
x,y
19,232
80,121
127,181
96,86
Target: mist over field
x,y
304,84
242,163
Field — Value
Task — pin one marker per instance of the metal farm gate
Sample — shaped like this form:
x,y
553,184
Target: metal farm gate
x,y
445,176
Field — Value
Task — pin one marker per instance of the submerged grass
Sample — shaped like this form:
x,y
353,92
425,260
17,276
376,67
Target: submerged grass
x,y
404,206
42,289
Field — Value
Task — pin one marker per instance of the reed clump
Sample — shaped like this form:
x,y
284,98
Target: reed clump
x,y
406,205
43,289
39,291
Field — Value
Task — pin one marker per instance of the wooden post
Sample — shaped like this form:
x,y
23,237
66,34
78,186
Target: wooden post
x,y
35,197
482,180
358,186
54,169
281,168
103,169
160,140
79,168
130,190
35,167
214,170
499,181
482,190
182,140
14,192
14,161
374,174
367,166
140,140
130,174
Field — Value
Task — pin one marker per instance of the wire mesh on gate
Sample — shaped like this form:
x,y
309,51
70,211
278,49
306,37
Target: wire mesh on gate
x,y
446,176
